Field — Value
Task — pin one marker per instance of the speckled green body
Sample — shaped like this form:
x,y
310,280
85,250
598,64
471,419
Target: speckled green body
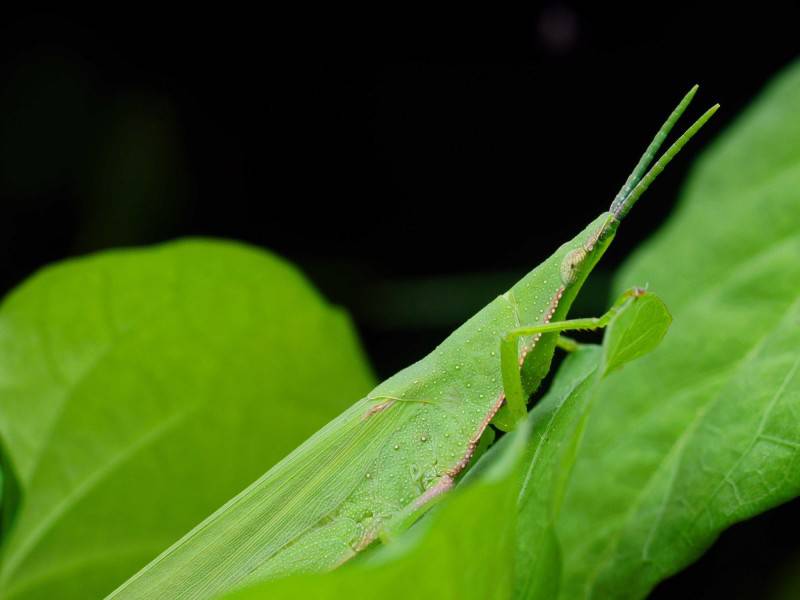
x,y
386,456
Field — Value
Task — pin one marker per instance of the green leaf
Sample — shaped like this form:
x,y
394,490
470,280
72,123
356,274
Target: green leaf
x,y
635,331
704,432
140,389
465,549
558,422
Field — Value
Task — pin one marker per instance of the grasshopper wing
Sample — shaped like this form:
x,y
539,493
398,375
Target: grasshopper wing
x,y
263,530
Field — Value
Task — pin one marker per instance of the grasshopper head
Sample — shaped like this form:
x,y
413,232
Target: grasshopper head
x,y
579,261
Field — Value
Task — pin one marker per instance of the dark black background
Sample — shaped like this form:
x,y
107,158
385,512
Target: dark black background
x,y
412,161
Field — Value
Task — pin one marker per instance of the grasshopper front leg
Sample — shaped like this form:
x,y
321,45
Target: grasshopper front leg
x,y
509,349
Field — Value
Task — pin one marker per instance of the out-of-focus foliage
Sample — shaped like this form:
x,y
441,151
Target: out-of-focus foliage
x,y
705,431
140,389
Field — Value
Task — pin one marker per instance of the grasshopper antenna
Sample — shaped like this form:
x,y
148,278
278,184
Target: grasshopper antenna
x,y
620,209
650,153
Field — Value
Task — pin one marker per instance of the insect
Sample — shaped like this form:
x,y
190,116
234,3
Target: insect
x,y
387,458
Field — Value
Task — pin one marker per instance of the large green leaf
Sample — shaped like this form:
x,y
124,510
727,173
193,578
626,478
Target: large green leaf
x,y
140,389
558,422
705,431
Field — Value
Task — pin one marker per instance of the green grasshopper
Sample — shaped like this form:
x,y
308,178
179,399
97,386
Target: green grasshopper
x,y
378,466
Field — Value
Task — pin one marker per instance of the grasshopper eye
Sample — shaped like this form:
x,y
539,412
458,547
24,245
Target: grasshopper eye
x,y
569,267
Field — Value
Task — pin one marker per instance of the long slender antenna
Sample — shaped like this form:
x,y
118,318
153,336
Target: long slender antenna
x,y
621,209
650,153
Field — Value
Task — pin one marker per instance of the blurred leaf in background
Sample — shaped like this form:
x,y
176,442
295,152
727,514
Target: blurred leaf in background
x,y
141,389
704,432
